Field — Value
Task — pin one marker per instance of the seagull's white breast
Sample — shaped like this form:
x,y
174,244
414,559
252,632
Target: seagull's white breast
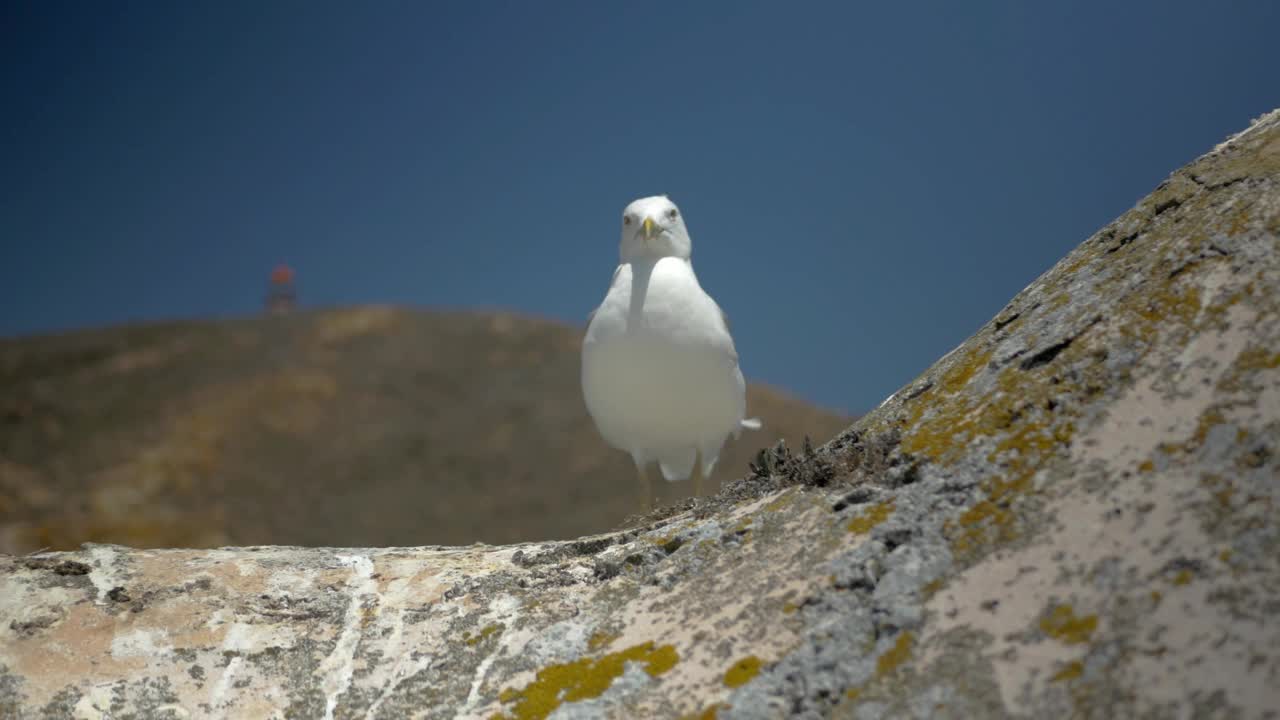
x,y
659,370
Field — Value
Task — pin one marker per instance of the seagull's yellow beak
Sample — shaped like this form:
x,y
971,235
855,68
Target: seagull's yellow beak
x,y
648,228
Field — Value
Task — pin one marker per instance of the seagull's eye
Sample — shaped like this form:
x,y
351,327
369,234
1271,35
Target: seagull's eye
x,y
626,219
673,213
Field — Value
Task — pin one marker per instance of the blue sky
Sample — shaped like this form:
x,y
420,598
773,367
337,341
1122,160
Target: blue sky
x,y
865,184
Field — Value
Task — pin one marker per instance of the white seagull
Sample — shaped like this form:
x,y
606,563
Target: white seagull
x,y
660,374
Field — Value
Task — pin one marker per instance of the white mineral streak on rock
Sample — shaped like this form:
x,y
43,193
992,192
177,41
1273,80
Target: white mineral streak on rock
x,y
504,611
94,704
141,643
218,695
238,639
104,575
403,664
339,666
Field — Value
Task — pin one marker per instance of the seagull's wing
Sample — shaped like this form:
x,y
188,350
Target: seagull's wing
x,y
592,315
731,351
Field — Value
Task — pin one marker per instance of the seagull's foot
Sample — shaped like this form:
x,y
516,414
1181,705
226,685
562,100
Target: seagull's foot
x,y
646,494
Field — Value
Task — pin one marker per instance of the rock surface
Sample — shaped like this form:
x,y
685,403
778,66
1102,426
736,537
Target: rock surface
x,y
1074,513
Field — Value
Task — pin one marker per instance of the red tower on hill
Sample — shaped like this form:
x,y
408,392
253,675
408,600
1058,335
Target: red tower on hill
x,y
281,296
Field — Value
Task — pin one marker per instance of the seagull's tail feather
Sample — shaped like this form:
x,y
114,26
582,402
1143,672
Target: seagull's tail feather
x,y
747,424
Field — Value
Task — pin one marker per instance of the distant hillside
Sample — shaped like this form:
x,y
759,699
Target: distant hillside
x,y
362,426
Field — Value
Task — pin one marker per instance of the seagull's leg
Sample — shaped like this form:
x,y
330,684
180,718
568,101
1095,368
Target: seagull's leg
x,y
697,479
646,498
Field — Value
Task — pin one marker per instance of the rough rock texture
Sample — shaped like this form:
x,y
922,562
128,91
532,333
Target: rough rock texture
x,y
1073,514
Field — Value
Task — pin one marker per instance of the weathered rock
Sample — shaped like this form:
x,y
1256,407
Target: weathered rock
x,y
1072,514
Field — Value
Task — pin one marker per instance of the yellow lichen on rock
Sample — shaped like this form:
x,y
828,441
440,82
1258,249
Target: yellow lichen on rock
x,y
1257,358
895,656
1063,625
741,672
484,634
952,422
1070,671
583,679
600,640
871,517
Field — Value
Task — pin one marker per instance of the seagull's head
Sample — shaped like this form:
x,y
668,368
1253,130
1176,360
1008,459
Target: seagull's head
x,y
653,228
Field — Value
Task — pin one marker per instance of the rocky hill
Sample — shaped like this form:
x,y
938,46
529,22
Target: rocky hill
x,y
361,426
1073,514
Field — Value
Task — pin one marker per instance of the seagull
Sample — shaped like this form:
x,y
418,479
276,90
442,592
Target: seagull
x,y
660,374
